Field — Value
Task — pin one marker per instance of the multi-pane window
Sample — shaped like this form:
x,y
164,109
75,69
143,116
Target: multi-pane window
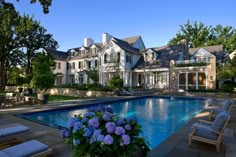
x,y
73,65
96,63
94,50
89,64
118,57
128,59
105,58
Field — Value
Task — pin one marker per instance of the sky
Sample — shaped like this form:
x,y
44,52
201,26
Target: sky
x,y
156,21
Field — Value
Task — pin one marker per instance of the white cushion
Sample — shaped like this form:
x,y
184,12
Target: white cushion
x,y
25,149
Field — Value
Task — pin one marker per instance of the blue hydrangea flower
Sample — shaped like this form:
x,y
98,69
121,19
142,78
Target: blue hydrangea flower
x,y
84,120
92,140
120,121
89,114
110,126
76,141
73,121
78,125
100,138
125,139
97,132
94,122
106,116
87,132
119,131
127,127
108,139
65,133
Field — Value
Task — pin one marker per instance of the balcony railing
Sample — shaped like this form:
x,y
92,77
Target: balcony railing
x,y
188,63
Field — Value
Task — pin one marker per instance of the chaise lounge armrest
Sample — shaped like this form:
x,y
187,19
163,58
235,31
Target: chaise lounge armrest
x,y
205,127
205,121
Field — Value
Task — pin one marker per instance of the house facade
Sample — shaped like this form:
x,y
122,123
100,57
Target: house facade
x,y
168,67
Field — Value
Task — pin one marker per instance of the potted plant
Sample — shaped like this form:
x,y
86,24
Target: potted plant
x,y
42,75
101,133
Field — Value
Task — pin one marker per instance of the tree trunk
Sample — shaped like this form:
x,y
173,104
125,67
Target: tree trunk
x,y
2,76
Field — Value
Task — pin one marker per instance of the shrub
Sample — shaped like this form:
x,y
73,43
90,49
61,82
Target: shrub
x,y
103,134
227,88
116,82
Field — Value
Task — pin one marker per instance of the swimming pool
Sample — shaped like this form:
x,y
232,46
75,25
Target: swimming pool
x,y
158,116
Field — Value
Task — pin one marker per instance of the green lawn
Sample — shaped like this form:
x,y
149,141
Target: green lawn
x,y
61,97
56,97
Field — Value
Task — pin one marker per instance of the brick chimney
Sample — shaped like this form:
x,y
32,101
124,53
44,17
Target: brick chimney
x,y
184,44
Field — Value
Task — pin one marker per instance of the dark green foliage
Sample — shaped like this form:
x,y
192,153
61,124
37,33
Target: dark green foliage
x,y
116,82
228,88
199,35
20,38
42,76
191,64
45,4
93,75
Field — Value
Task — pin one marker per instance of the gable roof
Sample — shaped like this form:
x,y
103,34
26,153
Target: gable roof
x,y
125,46
216,50
131,40
58,55
164,55
202,52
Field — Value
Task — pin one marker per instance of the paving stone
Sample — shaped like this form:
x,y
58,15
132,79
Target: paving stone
x,y
176,152
230,150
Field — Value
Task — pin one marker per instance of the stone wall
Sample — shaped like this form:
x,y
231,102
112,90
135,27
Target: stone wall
x,y
78,93
68,92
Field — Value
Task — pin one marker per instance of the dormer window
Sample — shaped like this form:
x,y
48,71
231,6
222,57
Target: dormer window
x,y
82,52
94,50
153,56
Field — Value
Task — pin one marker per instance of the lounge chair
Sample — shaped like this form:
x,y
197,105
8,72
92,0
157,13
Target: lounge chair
x,y
31,148
215,111
12,130
210,132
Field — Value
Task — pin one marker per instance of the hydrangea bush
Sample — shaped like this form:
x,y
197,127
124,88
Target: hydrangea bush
x,y
101,133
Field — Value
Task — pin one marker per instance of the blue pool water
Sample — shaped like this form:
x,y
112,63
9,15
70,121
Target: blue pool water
x,y
158,116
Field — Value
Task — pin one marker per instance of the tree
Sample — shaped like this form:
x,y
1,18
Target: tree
x,y
45,4
116,82
93,75
20,38
196,35
227,71
8,42
223,35
42,76
33,37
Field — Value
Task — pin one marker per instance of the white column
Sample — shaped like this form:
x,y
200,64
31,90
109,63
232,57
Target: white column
x,y
131,79
186,83
197,80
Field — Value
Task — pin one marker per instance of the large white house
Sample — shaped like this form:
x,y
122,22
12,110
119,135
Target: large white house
x,y
175,67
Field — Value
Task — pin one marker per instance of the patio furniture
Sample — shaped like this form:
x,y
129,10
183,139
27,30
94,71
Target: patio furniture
x,y
215,111
9,99
12,130
210,132
31,148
